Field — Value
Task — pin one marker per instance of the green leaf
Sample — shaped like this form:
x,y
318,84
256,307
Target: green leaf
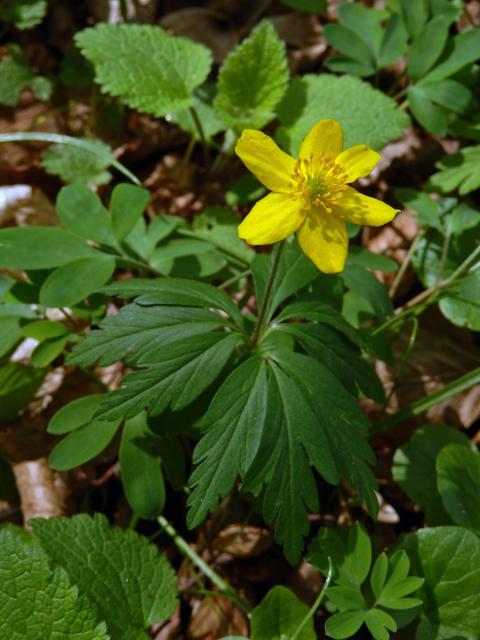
x,y
430,116
44,330
144,67
46,352
458,478
127,204
352,46
75,281
459,171
140,471
37,601
279,615
82,444
379,575
399,585
369,287
461,306
449,560
232,428
10,334
79,164
344,360
347,598
362,257
318,7
136,330
24,14
379,623
253,80
187,257
363,22
15,74
414,15
218,226
75,414
344,624
18,384
427,210
143,239
414,467
174,374
427,47
394,41
83,213
374,121
131,585
24,248
464,51
202,103
450,94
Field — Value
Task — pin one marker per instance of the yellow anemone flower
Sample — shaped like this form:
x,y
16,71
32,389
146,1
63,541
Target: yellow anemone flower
x,y
310,195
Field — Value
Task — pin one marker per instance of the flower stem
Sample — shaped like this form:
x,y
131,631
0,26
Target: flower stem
x,y
201,133
276,255
183,546
317,602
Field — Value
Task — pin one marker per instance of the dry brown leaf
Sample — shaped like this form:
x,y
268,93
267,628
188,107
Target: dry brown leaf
x,y
214,618
243,541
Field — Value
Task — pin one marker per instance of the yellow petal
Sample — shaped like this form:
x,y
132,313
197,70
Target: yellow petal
x,y
359,209
324,240
272,166
358,161
326,137
273,218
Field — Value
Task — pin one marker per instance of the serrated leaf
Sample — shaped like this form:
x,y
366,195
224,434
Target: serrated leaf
x,y
458,478
253,80
459,171
414,467
449,560
374,121
131,585
37,601
79,164
279,615
174,375
15,74
144,67
24,14
136,330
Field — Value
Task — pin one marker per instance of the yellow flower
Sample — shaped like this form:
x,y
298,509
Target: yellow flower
x,y
310,195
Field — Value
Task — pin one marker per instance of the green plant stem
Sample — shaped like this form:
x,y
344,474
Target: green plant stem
x,y
276,255
184,548
427,402
233,279
56,138
201,133
404,266
317,602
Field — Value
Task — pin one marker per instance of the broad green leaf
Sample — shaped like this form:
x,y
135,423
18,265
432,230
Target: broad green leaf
x,y
187,257
75,414
364,258
37,601
399,585
18,384
464,52
143,239
144,67
379,575
24,248
430,116
394,41
24,14
136,330
127,204
449,94
75,281
131,585
415,471
10,334
462,218
279,615
427,210
449,560
363,22
374,121
16,74
414,14
173,374
79,164
83,213
82,444
369,287
344,360
352,46
459,171
140,471
462,305
232,430
175,291
347,598
344,624
379,624
458,479
44,330
427,47
46,352
253,80
218,226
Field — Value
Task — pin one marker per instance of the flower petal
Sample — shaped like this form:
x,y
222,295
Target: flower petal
x,y
358,161
273,218
359,209
272,166
326,137
324,239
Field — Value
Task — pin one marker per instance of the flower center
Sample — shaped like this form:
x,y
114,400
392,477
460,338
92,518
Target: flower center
x,y
318,181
